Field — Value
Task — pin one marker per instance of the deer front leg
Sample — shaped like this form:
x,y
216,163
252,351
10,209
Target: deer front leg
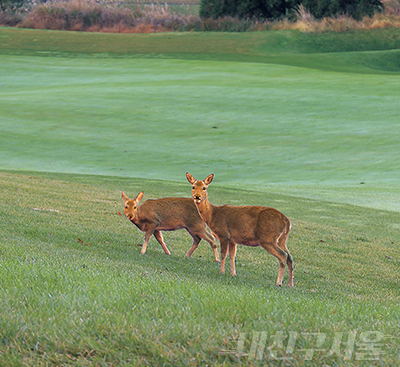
x,y
160,239
147,236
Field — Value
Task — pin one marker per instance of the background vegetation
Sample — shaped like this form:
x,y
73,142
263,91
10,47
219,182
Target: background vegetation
x,y
143,17
304,122
276,9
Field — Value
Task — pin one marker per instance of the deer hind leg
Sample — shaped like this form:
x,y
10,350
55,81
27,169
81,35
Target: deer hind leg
x,y
196,241
232,255
160,239
203,234
282,244
281,255
224,253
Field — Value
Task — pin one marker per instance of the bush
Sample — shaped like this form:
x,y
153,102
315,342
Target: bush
x,y
354,8
11,5
12,12
77,15
94,16
276,9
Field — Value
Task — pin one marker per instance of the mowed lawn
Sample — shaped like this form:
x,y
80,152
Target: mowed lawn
x,y
150,113
304,123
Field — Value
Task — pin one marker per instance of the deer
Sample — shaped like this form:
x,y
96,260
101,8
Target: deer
x,y
167,214
246,225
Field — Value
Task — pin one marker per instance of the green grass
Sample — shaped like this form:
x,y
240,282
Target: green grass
x,y
100,301
304,123
374,51
297,129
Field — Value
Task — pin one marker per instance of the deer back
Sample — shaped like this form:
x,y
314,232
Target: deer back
x,y
246,224
169,213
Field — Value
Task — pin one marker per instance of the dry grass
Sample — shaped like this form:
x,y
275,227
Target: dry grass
x,y
105,16
110,16
392,7
305,22
342,23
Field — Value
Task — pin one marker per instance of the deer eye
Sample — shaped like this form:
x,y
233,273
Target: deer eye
x,y
192,187
204,188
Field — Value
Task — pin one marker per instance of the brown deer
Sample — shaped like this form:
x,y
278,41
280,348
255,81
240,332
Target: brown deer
x,y
167,214
246,225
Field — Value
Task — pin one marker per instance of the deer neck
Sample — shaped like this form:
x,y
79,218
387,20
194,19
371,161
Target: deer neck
x,y
135,219
205,209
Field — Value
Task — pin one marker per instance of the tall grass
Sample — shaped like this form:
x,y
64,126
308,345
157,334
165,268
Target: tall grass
x,y
109,16
305,22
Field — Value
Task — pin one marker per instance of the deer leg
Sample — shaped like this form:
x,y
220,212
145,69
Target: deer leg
x,y
290,265
147,236
282,244
232,255
196,241
224,253
291,268
160,239
281,255
211,240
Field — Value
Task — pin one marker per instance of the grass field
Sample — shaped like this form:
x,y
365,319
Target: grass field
x,y
306,123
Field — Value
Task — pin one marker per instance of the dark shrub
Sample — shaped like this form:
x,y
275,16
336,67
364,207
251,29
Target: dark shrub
x,y
329,8
275,9
11,5
270,9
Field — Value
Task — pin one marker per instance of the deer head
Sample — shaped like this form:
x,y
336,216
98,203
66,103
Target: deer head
x,y
131,205
199,188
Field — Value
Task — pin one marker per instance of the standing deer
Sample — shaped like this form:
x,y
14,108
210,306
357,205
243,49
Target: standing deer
x,y
167,214
246,225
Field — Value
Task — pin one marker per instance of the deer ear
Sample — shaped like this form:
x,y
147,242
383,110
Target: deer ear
x,y
190,178
139,197
209,179
124,197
